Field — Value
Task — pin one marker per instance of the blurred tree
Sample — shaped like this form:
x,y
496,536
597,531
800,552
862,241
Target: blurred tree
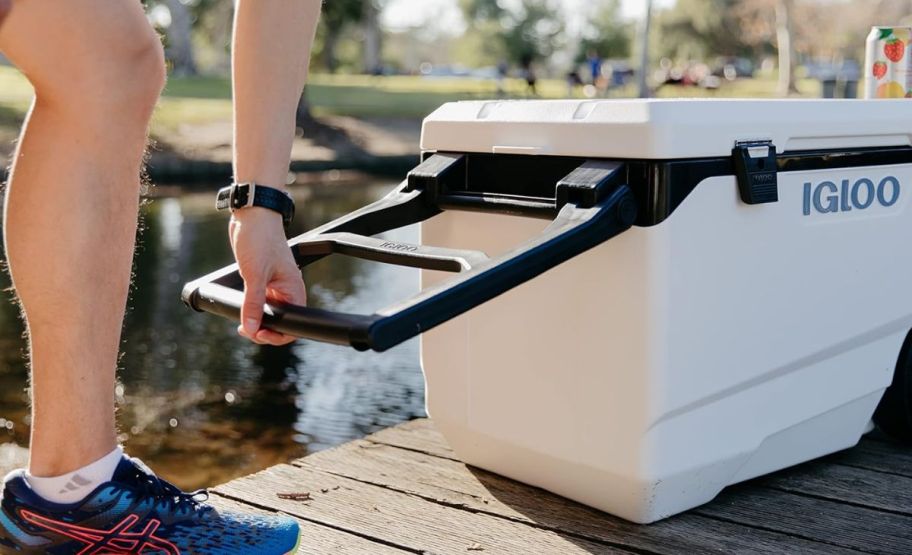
x,y
784,13
534,31
204,27
697,29
337,15
757,20
771,23
373,36
846,24
482,10
642,84
174,19
606,32
527,29
180,40
212,34
830,31
481,44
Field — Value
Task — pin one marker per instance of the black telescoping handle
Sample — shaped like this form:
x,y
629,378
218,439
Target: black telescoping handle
x,y
592,206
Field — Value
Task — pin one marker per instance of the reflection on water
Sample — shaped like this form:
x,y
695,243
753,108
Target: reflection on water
x,y
203,406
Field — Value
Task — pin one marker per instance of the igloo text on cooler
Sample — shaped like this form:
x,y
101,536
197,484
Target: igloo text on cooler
x,y
827,197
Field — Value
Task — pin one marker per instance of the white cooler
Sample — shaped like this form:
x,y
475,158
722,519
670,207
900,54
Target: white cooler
x,y
749,319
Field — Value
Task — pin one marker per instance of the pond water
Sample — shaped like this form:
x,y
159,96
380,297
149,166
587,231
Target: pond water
x,y
199,404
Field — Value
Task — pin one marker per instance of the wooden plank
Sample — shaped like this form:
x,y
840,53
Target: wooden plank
x,y
851,527
405,521
418,435
877,454
849,484
452,483
317,539
881,456
818,520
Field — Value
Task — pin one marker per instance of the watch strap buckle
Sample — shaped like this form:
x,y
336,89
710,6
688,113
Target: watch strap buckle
x,y
242,195
245,195
236,196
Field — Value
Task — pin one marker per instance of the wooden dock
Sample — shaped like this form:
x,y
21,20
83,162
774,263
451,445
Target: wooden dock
x,y
404,491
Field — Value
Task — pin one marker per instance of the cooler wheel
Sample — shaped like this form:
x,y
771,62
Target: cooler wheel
x,y
894,414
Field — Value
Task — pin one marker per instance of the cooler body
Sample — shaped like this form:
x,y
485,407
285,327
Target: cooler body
x,y
712,342
643,301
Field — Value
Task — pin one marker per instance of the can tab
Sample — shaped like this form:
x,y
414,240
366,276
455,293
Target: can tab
x,y
755,168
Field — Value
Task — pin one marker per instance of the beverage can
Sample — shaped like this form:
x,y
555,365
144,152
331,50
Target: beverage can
x,y
888,63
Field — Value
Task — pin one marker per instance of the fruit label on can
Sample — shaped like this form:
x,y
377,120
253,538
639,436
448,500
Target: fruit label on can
x,y
888,63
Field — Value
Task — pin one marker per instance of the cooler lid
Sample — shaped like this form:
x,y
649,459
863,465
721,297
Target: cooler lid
x,y
663,129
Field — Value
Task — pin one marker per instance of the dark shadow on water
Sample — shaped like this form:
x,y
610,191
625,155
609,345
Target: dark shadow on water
x,y
200,404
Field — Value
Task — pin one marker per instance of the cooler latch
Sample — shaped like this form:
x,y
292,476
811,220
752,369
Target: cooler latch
x,y
755,168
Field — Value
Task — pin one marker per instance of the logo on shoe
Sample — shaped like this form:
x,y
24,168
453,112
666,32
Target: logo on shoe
x,y
827,197
75,483
119,540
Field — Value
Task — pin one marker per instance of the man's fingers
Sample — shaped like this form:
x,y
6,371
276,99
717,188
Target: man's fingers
x,y
252,310
256,293
273,338
242,333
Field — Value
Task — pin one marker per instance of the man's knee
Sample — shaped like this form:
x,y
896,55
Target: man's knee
x,y
146,72
123,82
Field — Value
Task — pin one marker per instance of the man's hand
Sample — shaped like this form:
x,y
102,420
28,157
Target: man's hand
x,y
271,44
5,6
268,269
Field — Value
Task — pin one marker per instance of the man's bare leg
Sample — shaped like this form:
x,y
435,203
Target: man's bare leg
x,y
71,209
71,218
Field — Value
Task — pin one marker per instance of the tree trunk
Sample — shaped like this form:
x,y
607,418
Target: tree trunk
x,y
372,37
330,40
180,42
784,12
304,119
644,51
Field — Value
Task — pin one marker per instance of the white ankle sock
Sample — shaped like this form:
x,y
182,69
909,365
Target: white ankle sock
x,y
75,486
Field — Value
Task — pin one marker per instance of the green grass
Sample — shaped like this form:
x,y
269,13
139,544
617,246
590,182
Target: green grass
x,y
15,97
366,96
201,100
362,95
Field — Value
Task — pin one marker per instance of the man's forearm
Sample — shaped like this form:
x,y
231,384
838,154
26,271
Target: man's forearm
x,y
271,53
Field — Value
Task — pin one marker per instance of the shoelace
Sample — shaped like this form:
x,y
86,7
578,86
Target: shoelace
x,y
166,494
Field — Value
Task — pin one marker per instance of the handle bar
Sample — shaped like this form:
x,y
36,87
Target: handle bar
x,y
592,205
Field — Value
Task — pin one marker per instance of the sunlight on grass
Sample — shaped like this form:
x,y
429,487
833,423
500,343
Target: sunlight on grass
x,y
174,112
15,96
201,100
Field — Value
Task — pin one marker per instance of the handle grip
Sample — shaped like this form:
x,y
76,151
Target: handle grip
x,y
595,207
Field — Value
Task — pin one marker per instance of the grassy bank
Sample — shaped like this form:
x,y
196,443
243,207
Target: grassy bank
x,y
200,100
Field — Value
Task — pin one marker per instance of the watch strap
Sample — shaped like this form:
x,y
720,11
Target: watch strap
x,y
244,195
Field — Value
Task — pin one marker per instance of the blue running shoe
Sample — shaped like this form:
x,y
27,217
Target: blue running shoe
x,y
136,513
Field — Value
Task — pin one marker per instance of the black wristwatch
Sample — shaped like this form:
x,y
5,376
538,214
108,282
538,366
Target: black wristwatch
x,y
243,195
